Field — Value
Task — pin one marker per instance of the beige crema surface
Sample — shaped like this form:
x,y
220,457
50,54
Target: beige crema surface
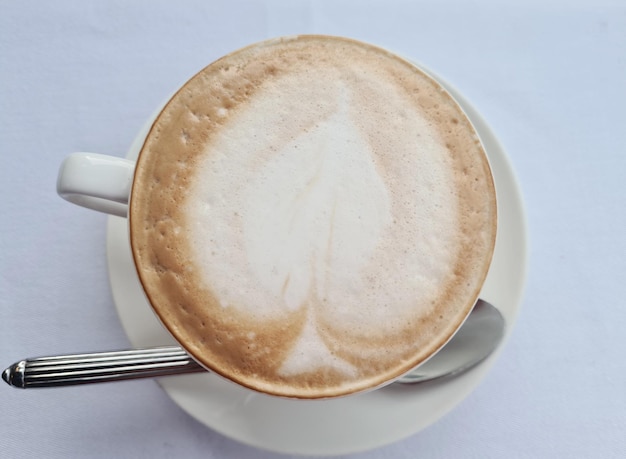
x,y
312,216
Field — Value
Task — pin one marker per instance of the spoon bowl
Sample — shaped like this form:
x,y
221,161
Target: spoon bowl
x,y
477,338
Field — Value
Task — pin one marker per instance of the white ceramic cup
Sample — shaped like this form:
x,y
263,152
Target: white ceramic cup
x,y
102,183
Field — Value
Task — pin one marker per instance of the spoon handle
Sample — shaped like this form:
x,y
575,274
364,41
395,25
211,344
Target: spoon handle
x,y
475,340
69,370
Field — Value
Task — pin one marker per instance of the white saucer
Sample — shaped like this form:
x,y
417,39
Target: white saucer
x,y
338,426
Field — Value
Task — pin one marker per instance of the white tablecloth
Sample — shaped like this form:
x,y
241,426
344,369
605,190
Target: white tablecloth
x,y
550,78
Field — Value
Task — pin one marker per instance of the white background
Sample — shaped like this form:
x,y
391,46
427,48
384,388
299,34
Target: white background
x,y
550,78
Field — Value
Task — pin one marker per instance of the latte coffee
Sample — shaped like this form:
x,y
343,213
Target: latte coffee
x,y
312,216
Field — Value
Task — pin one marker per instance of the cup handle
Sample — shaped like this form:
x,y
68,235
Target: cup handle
x,y
98,182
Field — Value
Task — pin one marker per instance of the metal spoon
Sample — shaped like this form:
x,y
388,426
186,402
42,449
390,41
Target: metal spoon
x,y
477,338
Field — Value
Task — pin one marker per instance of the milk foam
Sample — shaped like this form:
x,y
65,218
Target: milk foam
x,y
309,224
312,216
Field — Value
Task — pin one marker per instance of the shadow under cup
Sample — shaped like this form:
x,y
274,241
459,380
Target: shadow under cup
x,y
296,238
